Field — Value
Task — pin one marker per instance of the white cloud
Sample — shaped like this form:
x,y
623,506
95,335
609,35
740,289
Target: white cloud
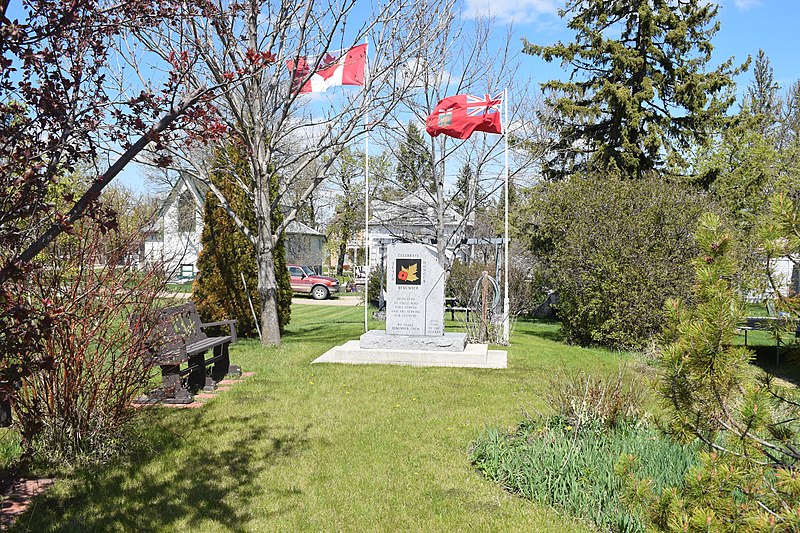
x,y
744,5
518,11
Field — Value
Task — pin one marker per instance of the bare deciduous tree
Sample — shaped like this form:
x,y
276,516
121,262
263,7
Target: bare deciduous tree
x,y
462,59
281,131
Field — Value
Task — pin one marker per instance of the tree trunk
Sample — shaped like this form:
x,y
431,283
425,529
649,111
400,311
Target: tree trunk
x,y
340,259
267,281
268,292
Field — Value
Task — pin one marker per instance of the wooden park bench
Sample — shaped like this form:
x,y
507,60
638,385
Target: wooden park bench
x,y
177,339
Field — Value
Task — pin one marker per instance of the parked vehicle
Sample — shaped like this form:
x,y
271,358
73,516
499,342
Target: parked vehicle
x,y
306,281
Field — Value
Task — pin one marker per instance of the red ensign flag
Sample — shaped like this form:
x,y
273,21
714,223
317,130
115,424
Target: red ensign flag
x,y
458,116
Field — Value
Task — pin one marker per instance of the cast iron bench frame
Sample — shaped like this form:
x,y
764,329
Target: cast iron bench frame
x,y
178,338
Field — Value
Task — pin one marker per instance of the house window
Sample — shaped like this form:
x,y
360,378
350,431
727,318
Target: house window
x,y
187,271
187,217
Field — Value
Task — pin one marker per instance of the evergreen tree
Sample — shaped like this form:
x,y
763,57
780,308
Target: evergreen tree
x,y
762,99
468,192
638,94
414,162
747,476
226,255
788,137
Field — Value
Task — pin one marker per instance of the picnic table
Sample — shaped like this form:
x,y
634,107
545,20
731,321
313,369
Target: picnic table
x,y
768,323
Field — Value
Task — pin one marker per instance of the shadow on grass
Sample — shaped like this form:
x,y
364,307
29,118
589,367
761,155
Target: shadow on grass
x,y
544,329
783,363
192,486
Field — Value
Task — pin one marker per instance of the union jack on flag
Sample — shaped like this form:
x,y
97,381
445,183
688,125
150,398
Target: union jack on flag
x,y
481,105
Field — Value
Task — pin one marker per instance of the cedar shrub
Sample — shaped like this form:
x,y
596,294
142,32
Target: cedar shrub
x,y
226,254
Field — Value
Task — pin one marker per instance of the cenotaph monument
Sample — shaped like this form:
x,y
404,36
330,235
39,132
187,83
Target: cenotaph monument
x,y
414,332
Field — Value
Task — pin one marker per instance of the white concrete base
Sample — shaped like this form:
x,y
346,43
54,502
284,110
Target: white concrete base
x,y
474,356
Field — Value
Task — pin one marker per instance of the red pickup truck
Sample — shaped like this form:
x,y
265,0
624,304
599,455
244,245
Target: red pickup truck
x,y
305,281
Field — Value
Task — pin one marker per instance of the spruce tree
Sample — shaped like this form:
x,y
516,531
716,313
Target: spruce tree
x,y
226,255
639,94
414,162
761,99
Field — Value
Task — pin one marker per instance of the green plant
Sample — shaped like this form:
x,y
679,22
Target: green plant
x,y
10,450
374,284
584,400
227,255
618,250
551,462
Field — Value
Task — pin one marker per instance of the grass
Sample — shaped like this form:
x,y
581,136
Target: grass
x,y
325,447
179,287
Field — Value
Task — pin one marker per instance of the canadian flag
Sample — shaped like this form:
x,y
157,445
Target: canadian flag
x,y
342,67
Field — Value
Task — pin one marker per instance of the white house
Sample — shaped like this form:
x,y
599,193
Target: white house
x,y
785,276
174,238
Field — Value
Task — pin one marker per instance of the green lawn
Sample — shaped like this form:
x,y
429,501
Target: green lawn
x,y
326,447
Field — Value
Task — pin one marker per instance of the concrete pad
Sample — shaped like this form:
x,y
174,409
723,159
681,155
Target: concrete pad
x,y
473,356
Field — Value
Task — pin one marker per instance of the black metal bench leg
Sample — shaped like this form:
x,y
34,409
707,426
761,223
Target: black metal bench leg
x,y
197,374
223,366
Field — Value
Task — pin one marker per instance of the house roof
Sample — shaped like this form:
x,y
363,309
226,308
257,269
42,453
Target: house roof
x,y
197,189
415,209
298,228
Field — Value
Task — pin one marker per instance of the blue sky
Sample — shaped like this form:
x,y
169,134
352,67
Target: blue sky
x,y
746,26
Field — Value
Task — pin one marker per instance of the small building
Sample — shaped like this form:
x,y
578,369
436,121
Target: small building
x,y
305,246
174,238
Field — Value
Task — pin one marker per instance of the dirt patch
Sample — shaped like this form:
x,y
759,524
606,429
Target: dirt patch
x,y
19,496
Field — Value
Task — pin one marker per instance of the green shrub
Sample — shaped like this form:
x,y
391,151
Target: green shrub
x,y
374,284
618,250
227,254
551,462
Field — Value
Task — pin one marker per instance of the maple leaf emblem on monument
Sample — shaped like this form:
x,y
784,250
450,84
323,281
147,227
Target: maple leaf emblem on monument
x,y
408,274
408,271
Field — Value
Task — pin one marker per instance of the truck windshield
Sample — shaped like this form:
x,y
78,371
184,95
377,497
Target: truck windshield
x,y
309,271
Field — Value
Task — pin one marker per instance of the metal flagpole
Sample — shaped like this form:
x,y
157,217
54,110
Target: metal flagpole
x,y
366,202
506,300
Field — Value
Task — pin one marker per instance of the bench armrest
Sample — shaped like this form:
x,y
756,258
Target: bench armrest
x,y
230,323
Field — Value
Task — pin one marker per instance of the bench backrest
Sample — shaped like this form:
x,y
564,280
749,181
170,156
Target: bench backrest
x,y
175,328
